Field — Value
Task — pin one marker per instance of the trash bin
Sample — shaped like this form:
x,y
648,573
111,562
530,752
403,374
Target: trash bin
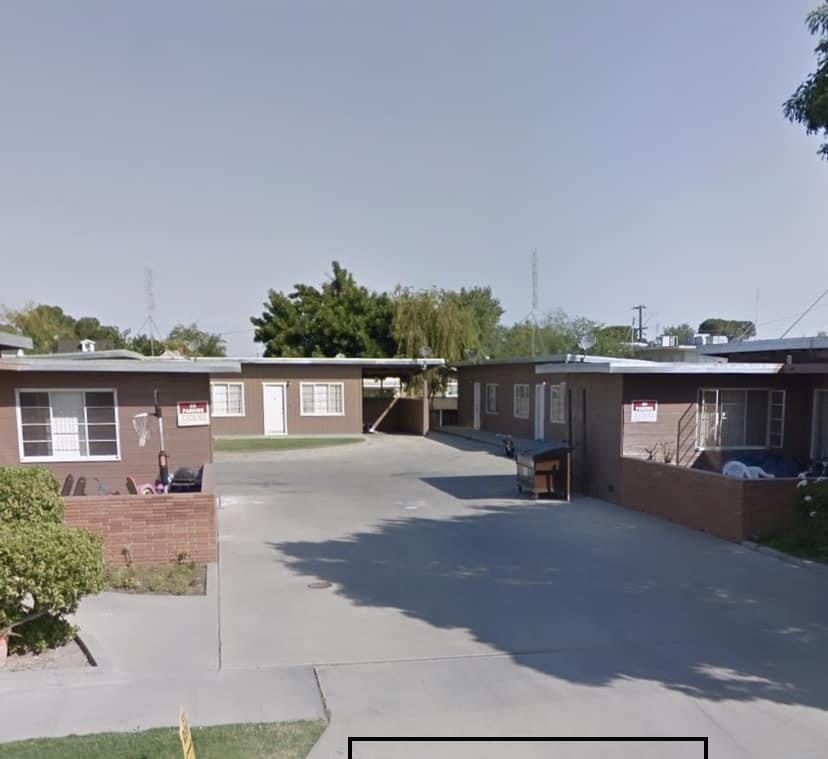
x,y
545,469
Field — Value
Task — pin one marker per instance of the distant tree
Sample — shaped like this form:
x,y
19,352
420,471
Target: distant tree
x,y
558,333
339,317
486,313
108,336
734,329
189,340
683,332
44,324
809,104
142,344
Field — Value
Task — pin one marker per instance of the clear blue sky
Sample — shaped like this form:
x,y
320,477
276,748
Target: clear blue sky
x,y
237,146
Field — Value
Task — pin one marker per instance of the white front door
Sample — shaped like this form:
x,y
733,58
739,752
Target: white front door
x,y
477,405
274,409
540,410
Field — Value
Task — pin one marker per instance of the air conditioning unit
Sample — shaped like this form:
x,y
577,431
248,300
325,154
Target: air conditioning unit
x,y
701,338
668,341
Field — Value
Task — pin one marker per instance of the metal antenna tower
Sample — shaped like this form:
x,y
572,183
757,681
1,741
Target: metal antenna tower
x,y
534,297
149,287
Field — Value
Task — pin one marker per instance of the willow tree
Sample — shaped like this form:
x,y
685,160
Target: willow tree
x,y
434,322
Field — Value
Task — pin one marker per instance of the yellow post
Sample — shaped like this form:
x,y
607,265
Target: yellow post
x,y
185,735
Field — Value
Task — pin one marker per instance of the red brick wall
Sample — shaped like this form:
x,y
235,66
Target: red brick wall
x,y
701,500
728,508
157,527
768,505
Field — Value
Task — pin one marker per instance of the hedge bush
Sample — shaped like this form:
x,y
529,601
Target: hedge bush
x,y
813,496
46,568
29,494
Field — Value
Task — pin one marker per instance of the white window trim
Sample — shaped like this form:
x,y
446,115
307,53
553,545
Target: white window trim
x,y
515,399
814,407
767,445
65,459
337,413
552,419
497,399
243,400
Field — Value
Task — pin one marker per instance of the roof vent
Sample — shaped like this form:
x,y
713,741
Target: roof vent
x,y
87,346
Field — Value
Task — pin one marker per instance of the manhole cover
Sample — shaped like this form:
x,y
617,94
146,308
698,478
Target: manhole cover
x,y
320,585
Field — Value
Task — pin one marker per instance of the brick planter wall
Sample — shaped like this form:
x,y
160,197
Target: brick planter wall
x,y
157,527
728,508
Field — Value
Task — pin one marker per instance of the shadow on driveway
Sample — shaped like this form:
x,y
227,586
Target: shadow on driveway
x,y
613,594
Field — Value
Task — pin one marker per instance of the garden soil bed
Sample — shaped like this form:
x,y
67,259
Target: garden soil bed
x,y
70,656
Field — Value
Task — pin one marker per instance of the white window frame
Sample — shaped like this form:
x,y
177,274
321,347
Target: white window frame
x,y
72,459
214,411
302,411
515,400
770,391
496,398
553,401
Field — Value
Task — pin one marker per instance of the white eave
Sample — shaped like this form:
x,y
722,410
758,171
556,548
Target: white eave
x,y
391,363
761,346
143,366
655,367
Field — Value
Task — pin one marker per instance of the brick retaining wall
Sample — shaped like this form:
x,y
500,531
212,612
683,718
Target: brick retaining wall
x,y
728,508
157,527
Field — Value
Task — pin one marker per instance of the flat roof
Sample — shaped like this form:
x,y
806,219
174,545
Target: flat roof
x,y
759,346
19,342
94,355
145,365
552,358
659,367
376,367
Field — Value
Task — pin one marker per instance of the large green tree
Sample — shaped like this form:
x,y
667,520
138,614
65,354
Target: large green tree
x,y
486,313
338,317
809,104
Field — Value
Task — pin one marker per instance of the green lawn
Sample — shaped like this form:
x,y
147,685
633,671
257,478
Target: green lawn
x,y
240,444
806,539
278,740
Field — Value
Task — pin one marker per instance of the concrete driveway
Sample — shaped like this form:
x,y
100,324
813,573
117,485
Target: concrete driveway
x,y
456,609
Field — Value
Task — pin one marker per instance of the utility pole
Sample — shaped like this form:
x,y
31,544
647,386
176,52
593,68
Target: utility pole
x,y
640,309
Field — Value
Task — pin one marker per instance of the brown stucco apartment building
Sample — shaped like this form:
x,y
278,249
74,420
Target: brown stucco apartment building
x,y
314,396
74,415
651,435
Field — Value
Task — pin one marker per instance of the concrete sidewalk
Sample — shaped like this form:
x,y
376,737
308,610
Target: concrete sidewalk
x,y
52,704
482,436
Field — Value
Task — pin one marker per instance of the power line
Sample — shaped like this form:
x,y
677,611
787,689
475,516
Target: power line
x,y
805,313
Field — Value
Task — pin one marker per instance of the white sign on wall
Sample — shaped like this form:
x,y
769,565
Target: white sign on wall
x,y
193,413
644,411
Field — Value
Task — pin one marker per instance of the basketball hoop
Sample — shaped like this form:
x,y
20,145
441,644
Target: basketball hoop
x,y
140,423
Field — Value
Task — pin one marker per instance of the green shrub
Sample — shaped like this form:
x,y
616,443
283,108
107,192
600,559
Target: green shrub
x,y
813,496
29,494
45,569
